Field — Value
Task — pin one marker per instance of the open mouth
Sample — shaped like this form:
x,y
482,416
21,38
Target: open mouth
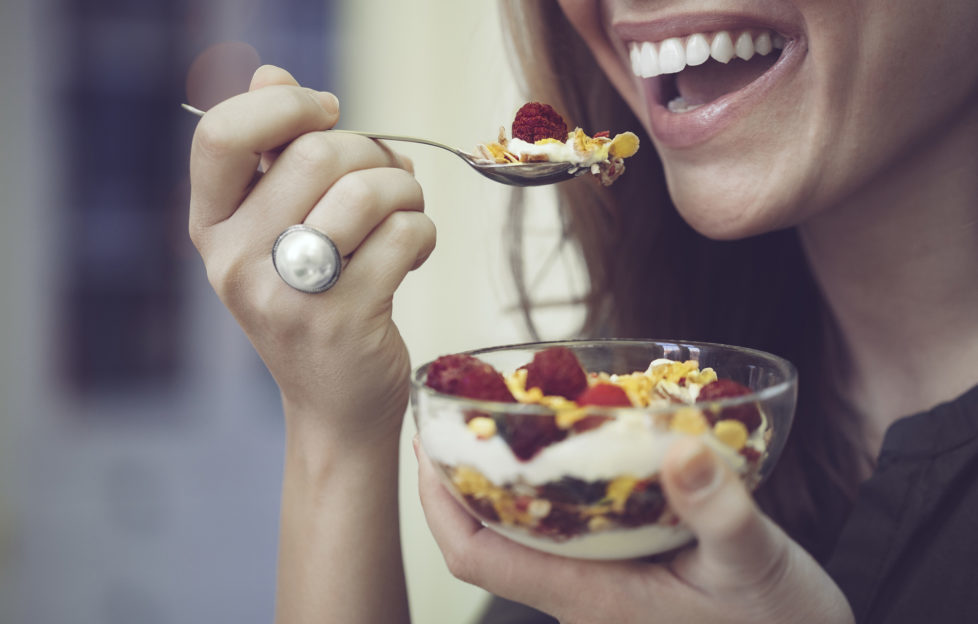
x,y
700,68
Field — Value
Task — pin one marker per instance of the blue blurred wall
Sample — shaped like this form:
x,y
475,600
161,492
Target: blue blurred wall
x,y
140,437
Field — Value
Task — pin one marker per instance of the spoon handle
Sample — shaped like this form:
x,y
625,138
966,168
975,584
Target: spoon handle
x,y
397,137
372,135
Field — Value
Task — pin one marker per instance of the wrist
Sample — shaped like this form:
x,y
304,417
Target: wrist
x,y
319,442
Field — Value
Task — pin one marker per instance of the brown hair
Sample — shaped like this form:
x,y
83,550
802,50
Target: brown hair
x,y
757,292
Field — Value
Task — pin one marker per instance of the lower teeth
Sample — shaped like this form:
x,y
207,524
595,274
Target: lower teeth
x,y
679,105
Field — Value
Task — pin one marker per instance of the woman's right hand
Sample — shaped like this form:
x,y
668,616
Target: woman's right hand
x,y
337,356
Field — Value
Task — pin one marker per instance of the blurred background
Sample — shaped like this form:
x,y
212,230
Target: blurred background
x,y
140,436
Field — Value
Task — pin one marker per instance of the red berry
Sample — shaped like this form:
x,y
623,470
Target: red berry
x,y
722,389
467,376
526,434
728,389
557,372
535,121
604,394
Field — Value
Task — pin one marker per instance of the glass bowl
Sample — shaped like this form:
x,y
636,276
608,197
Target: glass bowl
x,y
593,492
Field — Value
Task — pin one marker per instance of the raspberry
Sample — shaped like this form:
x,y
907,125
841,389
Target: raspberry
x,y
728,389
605,395
557,372
467,376
535,121
526,434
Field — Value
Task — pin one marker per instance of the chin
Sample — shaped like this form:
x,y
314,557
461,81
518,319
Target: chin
x,y
730,207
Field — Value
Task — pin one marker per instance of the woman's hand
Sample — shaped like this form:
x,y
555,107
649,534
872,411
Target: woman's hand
x,y
742,569
337,357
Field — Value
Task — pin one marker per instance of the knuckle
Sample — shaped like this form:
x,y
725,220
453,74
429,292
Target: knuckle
x,y
225,275
196,232
268,313
428,230
415,199
354,192
742,517
404,230
295,101
425,239
407,163
312,151
215,137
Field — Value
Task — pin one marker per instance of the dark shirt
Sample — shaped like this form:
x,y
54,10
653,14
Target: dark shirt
x,y
908,553
909,550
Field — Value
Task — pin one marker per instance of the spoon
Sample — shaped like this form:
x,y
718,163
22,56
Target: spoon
x,y
514,174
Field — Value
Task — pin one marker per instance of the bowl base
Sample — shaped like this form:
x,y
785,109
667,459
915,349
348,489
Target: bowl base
x,y
618,544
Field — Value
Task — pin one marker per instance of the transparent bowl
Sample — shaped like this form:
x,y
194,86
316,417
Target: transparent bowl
x,y
594,494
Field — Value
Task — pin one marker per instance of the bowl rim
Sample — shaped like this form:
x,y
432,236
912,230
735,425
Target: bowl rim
x,y
418,378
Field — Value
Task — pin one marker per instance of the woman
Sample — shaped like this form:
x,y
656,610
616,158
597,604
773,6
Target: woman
x,y
825,209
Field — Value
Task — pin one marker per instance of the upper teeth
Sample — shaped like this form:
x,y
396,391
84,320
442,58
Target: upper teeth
x,y
673,55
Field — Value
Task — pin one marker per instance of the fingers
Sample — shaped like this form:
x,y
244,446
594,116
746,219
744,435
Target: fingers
x,y
373,214
736,541
550,583
399,244
231,137
476,554
360,200
303,175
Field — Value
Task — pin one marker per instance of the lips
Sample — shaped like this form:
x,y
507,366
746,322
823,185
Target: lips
x,y
697,79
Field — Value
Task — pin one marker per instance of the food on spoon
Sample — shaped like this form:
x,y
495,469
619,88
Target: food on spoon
x,y
535,122
579,472
539,134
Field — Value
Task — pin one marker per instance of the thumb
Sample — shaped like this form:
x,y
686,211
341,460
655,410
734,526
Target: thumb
x,y
268,75
734,536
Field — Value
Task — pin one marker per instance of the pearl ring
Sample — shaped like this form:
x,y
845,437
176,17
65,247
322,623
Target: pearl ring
x,y
306,259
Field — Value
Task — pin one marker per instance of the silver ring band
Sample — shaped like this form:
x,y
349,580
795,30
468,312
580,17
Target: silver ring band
x,y
306,259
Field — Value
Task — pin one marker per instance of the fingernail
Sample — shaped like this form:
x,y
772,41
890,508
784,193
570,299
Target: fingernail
x,y
415,442
698,469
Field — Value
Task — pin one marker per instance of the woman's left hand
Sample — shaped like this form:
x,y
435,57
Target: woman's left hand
x,y
743,568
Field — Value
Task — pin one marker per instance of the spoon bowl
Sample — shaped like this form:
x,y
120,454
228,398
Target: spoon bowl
x,y
513,174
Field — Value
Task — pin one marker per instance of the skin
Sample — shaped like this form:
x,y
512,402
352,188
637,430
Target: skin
x,y
882,156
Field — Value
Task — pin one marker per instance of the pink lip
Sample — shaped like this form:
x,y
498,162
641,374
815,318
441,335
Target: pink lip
x,y
683,130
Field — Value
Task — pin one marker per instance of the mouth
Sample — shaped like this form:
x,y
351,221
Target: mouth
x,y
703,67
697,83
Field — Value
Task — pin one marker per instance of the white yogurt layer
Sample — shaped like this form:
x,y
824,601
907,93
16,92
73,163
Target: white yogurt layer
x,y
558,152
630,444
650,539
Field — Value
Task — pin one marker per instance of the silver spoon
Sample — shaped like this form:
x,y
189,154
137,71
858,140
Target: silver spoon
x,y
515,174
